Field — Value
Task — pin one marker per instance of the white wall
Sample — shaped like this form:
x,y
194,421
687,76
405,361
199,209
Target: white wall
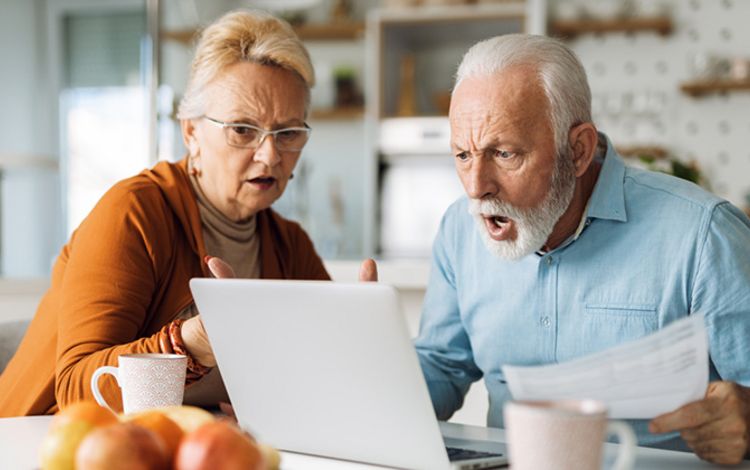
x,y
627,71
30,208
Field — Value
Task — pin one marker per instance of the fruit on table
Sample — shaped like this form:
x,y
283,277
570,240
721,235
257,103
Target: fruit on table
x,y
68,428
84,411
189,418
122,446
59,447
270,455
85,436
218,444
163,426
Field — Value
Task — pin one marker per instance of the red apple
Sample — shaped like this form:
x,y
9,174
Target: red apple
x,y
219,444
122,446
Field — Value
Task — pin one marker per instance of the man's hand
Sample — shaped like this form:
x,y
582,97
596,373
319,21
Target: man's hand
x,y
368,271
717,428
193,332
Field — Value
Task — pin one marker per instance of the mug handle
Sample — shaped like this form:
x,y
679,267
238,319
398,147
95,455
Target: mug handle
x,y
95,384
626,451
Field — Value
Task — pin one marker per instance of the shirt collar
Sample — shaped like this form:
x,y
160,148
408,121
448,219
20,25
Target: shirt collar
x,y
607,201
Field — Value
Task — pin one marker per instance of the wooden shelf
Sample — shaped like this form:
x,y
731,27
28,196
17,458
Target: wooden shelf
x,y
330,31
705,87
573,28
306,32
184,36
428,14
636,151
341,114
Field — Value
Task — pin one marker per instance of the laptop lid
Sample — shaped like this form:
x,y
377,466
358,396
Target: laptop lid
x,y
322,368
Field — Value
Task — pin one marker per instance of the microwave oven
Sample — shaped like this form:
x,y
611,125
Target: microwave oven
x,y
418,182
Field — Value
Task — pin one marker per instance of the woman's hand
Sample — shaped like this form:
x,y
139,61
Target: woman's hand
x,y
193,332
196,341
219,268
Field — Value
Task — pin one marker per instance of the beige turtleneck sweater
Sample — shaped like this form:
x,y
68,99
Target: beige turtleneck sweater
x,y
238,244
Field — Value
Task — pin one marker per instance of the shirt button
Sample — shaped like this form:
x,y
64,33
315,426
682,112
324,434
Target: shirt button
x,y
549,260
546,322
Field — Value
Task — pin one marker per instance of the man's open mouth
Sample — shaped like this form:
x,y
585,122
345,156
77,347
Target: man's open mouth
x,y
500,227
499,220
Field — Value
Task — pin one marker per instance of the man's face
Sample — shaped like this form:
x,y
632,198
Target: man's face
x,y
505,155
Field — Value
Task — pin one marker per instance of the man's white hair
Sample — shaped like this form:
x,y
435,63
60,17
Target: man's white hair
x,y
560,72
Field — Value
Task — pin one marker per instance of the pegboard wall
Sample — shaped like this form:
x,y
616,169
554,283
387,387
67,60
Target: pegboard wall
x,y
635,82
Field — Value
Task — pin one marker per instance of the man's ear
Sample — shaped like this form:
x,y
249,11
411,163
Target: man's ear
x,y
188,137
583,139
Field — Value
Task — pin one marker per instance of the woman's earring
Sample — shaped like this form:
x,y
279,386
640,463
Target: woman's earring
x,y
193,165
291,176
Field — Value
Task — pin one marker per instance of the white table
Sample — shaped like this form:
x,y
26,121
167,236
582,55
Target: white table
x,y
20,439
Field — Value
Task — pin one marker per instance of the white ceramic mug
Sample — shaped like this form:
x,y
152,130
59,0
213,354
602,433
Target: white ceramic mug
x,y
564,435
146,380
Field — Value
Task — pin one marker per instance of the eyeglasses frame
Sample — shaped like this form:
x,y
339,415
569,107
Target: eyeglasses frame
x,y
263,133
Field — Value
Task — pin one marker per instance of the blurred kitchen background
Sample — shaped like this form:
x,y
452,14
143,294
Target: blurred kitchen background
x,y
89,90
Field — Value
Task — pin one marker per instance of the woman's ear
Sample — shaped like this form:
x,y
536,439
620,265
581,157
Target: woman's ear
x,y
582,139
189,137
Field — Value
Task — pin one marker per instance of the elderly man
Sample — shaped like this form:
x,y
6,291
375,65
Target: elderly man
x,y
560,250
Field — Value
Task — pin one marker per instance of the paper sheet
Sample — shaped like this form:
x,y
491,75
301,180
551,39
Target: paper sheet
x,y
639,379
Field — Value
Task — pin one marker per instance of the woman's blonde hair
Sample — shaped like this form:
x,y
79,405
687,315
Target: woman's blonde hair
x,y
249,36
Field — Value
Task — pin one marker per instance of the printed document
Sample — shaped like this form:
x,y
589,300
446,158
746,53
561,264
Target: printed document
x,y
640,379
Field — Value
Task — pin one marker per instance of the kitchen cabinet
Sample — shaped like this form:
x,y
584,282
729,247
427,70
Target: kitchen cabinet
x,y
435,39
413,54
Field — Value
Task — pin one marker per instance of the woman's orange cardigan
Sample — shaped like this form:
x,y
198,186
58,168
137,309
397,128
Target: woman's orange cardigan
x,y
123,276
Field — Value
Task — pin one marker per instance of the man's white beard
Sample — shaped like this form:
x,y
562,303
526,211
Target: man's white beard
x,y
533,225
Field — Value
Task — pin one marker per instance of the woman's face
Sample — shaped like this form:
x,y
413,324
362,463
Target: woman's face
x,y
242,181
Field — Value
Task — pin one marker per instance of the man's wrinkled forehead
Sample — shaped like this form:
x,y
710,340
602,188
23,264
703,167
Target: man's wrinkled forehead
x,y
512,100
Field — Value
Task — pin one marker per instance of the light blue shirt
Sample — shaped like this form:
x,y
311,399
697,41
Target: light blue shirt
x,y
654,248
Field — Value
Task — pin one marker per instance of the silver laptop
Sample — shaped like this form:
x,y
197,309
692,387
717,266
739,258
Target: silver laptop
x,y
328,369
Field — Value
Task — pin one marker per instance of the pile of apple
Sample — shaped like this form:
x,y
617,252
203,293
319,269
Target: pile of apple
x,y
85,436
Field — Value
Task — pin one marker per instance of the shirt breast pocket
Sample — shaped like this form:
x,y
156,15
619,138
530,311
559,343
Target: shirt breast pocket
x,y
609,324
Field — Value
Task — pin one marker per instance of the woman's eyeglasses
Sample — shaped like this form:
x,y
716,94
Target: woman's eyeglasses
x,y
247,136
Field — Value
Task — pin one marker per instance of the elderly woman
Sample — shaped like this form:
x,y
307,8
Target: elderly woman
x,y
120,285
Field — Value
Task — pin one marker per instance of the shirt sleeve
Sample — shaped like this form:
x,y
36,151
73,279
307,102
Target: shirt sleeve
x,y
107,289
721,292
443,345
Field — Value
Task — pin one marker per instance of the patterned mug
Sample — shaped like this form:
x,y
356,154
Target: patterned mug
x,y
146,380
564,435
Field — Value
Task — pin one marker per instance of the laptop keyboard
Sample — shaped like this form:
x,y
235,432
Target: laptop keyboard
x,y
456,455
